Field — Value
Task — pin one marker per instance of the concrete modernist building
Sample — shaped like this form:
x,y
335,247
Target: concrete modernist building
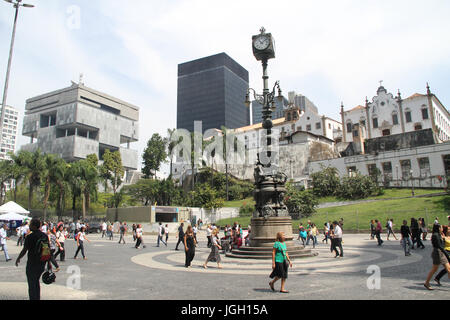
x,y
77,121
10,128
212,90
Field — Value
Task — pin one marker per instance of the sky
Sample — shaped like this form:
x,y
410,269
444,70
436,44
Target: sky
x,y
330,51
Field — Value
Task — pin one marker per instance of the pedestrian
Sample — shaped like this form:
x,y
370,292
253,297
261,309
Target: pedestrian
x,y
35,265
53,242
134,227
280,259
423,229
209,235
139,237
214,255
446,237
337,235
166,232
61,235
110,232
104,228
44,228
415,234
189,246
326,231
378,231
195,230
180,235
161,232
372,229
439,255
390,230
341,224
81,237
313,234
308,232
122,230
405,241
3,239
436,220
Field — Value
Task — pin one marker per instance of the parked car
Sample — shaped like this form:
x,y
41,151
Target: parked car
x,y
94,227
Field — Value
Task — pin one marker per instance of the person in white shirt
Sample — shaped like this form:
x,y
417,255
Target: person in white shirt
x,y
104,226
160,234
389,226
81,236
139,238
337,238
208,235
3,238
194,228
61,235
44,228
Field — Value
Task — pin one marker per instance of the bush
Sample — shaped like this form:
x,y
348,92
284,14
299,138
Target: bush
x,y
246,210
325,182
357,187
300,203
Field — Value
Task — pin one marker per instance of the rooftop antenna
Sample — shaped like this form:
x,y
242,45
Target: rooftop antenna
x,y
80,81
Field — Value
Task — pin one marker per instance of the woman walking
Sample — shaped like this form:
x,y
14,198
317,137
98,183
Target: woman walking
x,y
61,236
438,255
53,242
372,229
139,239
280,259
214,255
378,230
423,229
81,237
189,245
446,238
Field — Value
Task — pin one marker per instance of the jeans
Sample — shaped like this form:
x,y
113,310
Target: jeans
x,y
378,235
338,243
406,244
180,239
416,238
161,239
5,250
122,237
61,252
52,258
34,273
80,247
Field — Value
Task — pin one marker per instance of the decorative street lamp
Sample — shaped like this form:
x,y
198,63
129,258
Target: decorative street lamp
x,y
16,5
269,182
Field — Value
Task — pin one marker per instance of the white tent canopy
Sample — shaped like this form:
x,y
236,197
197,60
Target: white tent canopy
x,y
12,207
12,217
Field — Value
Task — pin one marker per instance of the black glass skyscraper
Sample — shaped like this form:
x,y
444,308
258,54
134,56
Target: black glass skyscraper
x,y
212,90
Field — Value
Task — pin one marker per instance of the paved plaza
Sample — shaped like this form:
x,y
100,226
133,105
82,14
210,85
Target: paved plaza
x,y
115,271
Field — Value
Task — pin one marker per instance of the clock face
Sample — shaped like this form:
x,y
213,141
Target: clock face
x,y
261,43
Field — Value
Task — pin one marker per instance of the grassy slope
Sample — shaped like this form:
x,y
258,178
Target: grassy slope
x,y
358,216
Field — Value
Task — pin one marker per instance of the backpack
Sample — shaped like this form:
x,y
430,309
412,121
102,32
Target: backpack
x,y
43,249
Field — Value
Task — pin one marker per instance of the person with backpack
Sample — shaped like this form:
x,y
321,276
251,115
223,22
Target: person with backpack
x,y
161,232
81,236
122,230
37,246
180,235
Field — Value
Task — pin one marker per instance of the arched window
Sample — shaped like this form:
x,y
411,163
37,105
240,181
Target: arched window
x,y
349,126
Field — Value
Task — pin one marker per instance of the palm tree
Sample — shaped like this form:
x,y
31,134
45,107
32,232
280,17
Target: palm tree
x,y
49,177
18,171
170,146
34,164
5,176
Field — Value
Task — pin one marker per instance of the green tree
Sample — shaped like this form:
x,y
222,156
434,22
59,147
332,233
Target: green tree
x,y
357,186
18,171
300,203
35,166
205,197
112,162
49,177
144,191
154,155
325,182
5,176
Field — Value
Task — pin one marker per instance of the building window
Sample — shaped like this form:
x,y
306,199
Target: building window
x,y
375,123
424,113
418,127
386,132
387,168
308,127
299,128
406,168
351,171
318,125
408,116
424,165
363,122
349,126
355,133
394,119
329,126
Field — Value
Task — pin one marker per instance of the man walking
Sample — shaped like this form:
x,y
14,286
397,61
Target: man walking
x,y
406,234
122,229
378,230
180,235
3,238
35,267
161,232
104,226
337,235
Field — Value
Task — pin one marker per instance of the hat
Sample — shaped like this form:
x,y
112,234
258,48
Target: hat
x,y
48,277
